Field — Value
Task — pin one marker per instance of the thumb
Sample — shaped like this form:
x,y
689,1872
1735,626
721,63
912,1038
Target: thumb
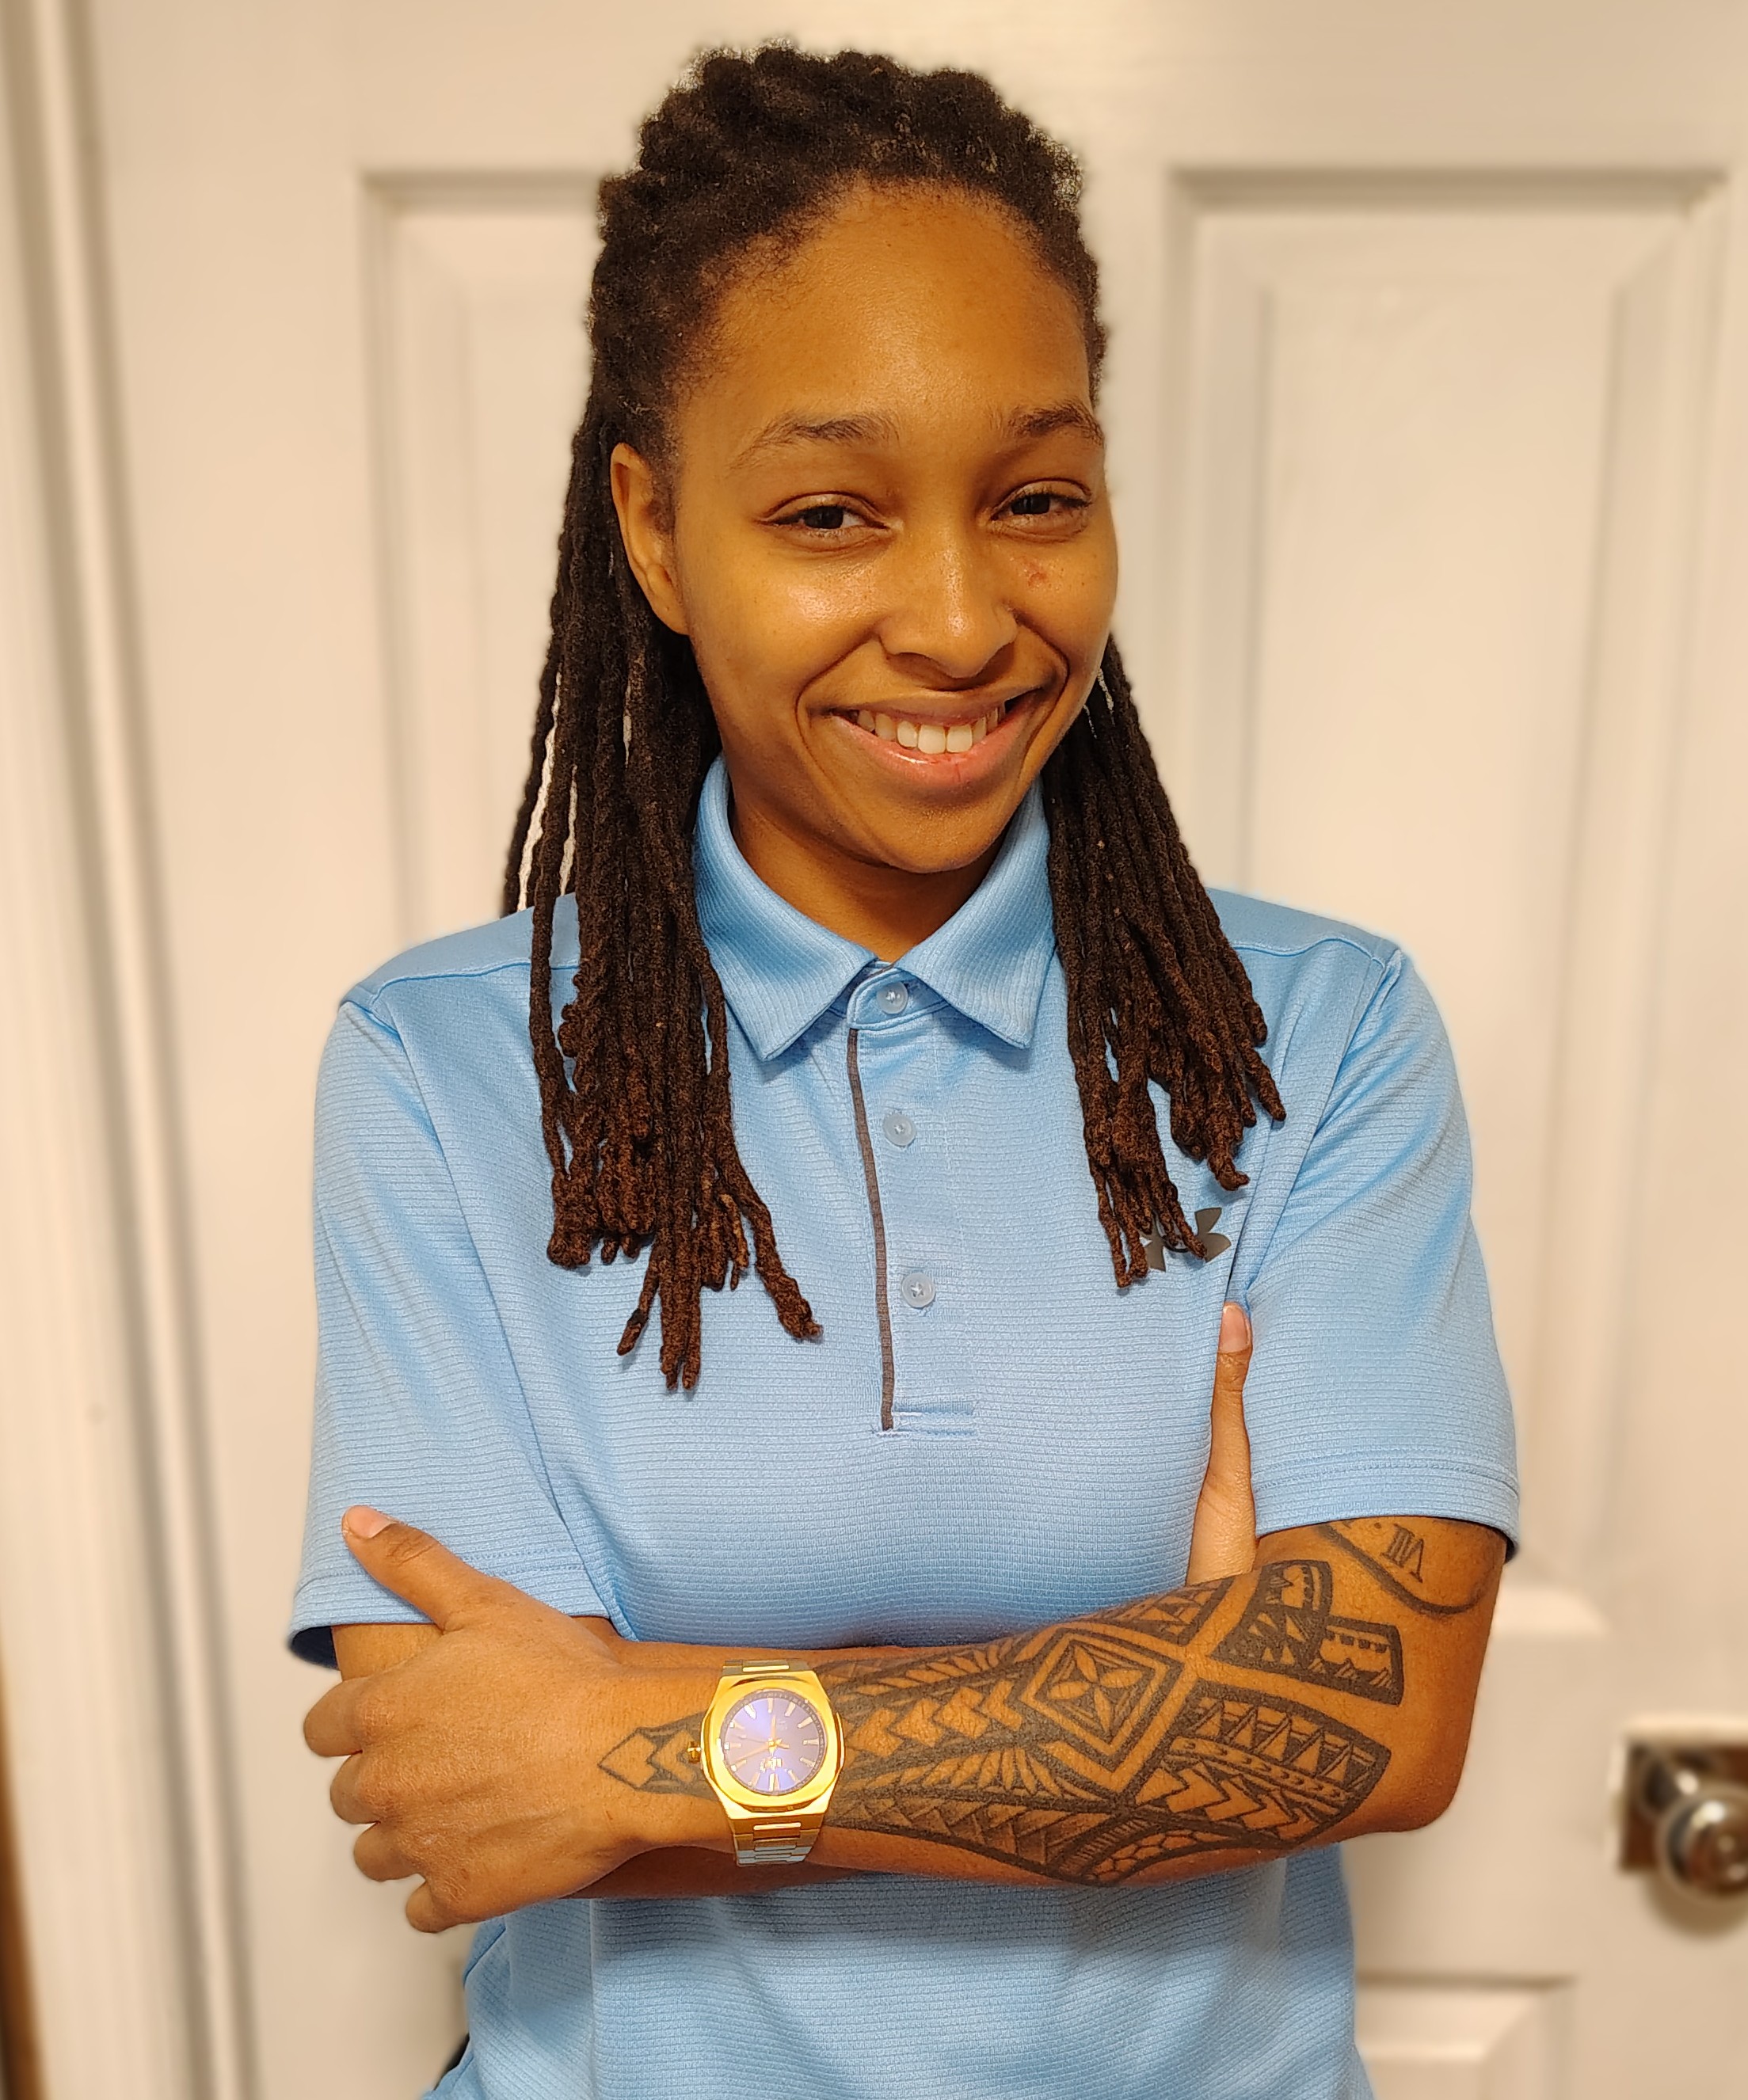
x,y
413,1563
1234,1335
1223,1536
1229,1460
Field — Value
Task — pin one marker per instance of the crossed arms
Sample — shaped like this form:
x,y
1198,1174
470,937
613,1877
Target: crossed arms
x,y
516,1755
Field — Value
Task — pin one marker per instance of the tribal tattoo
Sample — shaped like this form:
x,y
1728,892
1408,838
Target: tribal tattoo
x,y
655,1760
1089,1751
1290,1630
1079,1752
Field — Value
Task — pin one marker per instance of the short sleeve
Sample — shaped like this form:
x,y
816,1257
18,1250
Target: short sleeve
x,y
419,1408
1376,1387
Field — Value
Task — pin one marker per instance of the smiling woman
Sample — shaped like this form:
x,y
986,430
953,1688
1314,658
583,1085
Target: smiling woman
x,y
846,344
934,1626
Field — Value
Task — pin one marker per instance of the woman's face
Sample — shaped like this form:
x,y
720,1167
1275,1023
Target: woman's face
x,y
887,535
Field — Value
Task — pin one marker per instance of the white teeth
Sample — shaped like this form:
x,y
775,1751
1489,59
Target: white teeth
x,y
933,739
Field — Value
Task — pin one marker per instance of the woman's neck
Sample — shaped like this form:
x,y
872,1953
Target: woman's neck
x,y
888,909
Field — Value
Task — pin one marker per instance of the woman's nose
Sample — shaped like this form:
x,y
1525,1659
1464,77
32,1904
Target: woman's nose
x,y
948,607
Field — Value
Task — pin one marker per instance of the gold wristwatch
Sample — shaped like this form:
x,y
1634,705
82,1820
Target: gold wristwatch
x,y
771,1752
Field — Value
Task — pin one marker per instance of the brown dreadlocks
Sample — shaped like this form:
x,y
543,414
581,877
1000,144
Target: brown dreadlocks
x,y
738,160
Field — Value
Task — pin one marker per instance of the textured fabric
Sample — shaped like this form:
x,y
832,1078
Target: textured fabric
x,y
1050,1434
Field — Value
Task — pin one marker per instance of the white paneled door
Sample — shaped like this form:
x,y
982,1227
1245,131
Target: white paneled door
x,y
1429,402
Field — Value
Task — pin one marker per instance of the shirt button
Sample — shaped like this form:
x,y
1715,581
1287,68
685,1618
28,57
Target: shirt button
x,y
894,997
897,1127
917,1290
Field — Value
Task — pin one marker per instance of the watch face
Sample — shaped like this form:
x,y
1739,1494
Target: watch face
x,y
773,1742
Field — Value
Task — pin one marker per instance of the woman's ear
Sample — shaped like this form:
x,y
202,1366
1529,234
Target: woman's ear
x,y
648,543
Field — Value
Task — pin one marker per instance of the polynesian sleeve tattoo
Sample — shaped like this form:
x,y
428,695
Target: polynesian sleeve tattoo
x,y
1153,1732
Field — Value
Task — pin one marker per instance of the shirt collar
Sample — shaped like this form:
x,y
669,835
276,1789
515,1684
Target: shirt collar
x,y
780,970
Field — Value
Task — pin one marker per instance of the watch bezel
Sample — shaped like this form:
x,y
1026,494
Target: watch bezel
x,y
789,1684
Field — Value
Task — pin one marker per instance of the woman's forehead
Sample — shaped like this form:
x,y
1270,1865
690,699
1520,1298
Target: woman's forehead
x,y
900,302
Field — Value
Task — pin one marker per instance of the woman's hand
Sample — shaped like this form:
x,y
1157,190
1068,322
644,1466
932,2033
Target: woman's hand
x,y
477,1762
1223,1540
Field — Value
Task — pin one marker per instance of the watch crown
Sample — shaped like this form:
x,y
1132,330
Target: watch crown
x,y
694,1753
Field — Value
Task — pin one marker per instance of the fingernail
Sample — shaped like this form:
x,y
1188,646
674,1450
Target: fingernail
x,y
1235,1329
363,1522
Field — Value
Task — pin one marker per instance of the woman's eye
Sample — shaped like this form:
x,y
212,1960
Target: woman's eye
x,y
1041,503
822,517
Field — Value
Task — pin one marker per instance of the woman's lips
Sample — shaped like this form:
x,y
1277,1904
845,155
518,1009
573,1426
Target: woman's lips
x,y
920,742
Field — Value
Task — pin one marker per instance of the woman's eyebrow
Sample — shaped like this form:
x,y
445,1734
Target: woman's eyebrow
x,y
1020,425
793,429
1024,424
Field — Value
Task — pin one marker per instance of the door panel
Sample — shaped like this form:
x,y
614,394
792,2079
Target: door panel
x,y
1429,440
478,286
1493,2043
1433,663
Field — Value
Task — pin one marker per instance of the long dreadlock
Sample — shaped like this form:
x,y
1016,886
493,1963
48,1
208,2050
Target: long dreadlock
x,y
744,155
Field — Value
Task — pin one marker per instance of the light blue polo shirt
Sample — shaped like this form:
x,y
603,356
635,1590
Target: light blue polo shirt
x,y
1048,1436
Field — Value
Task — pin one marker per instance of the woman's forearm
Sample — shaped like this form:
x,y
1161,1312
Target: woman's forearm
x,y
1326,1694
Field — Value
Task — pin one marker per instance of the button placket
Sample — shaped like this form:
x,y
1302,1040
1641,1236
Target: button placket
x,y
919,1233
935,1394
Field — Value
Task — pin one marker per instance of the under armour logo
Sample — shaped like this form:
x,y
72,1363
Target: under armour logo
x,y
1209,1242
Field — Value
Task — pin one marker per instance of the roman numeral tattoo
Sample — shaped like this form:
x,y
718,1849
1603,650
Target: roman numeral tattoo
x,y
1406,1550
1395,1556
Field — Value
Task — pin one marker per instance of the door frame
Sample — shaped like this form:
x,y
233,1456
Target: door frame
x,y
126,1860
